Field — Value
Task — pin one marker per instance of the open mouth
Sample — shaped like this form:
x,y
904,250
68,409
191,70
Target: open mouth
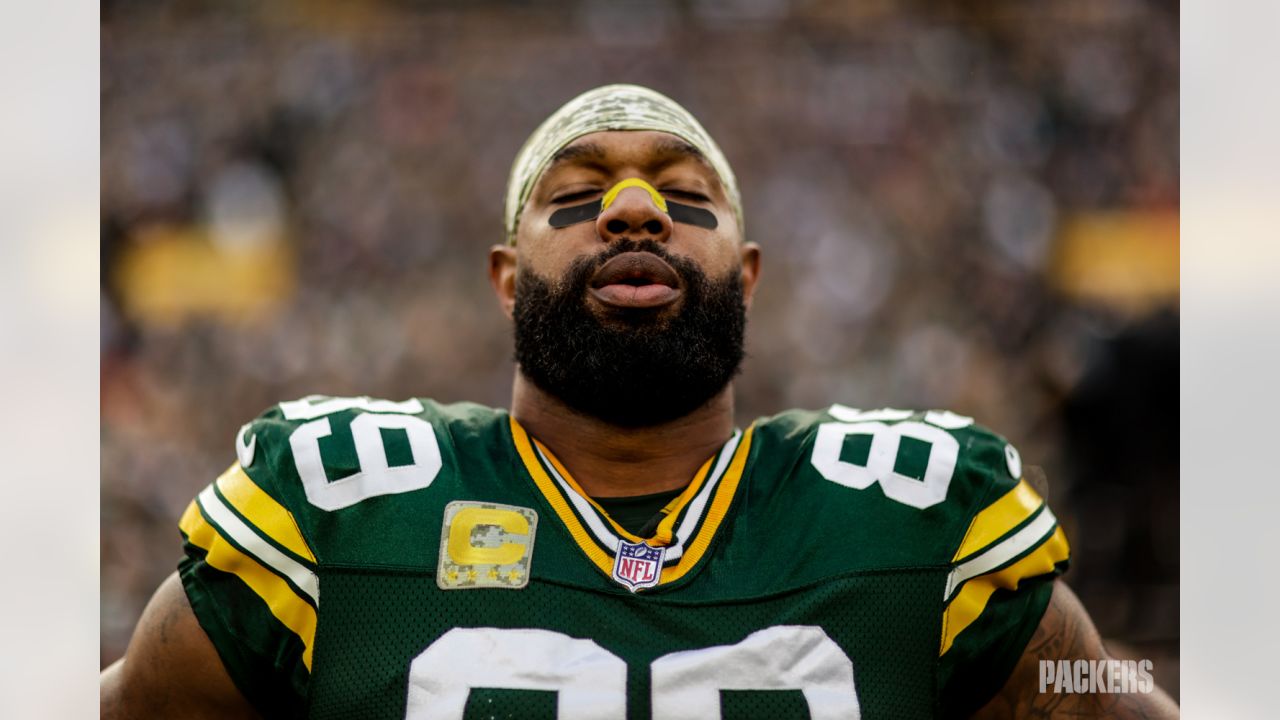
x,y
636,280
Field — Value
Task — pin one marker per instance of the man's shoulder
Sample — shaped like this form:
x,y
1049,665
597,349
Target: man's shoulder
x,y
909,484
292,413
313,415
339,464
852,445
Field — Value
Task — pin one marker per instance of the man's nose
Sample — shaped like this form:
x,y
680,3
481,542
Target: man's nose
x,y
634,215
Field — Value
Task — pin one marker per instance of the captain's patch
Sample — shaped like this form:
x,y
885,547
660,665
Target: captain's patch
x,y
485,545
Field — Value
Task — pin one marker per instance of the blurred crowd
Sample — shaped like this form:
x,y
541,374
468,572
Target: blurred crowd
x,y
968,205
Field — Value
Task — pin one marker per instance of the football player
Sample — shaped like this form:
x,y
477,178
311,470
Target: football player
x,y
613,547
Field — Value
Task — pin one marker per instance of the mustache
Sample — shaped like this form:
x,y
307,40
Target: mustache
x,y
578,276
627,245
645,245
582,269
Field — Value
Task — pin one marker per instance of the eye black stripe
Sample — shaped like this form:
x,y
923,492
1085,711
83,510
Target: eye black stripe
x,y
564,217
690,215
687,214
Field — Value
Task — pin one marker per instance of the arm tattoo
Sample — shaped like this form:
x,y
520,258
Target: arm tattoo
x,y
1066,633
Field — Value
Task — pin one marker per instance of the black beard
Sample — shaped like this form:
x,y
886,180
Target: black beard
x,y
634,368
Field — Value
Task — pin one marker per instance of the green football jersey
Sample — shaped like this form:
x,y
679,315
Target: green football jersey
x,y
822,564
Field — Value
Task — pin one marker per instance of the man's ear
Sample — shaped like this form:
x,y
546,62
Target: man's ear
x,y
750,270
502,274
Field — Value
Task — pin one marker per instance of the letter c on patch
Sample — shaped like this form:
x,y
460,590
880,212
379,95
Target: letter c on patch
x,y
463,552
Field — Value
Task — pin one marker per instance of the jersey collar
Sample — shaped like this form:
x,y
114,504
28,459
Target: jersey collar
x,y
692,518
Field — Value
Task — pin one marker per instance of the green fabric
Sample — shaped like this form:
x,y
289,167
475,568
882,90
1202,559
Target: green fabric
x,y
881,620
262,657
638,514
796,549
992,646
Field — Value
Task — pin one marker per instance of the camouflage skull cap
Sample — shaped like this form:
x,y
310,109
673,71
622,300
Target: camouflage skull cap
x,y
611,107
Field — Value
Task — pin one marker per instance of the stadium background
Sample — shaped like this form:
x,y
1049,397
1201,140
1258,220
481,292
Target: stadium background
x,y
962,205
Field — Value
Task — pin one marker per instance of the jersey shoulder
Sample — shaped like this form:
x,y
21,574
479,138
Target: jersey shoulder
x,y
940,484
317,480
890,490
327,468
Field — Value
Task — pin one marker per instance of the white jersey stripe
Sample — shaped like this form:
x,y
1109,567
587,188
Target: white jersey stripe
x,y
261,550
1002,552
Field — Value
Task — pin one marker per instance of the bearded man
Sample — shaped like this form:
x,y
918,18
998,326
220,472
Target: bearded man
x,y
614,547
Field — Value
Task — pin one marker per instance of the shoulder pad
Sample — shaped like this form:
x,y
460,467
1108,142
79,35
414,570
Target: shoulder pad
x,y
340,465
930,471
920,458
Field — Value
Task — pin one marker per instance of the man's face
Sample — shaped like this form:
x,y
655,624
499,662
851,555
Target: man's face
x,y
628,317
592,164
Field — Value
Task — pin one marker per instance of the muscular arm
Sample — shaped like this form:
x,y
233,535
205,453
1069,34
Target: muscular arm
x,y
170,669
1067,633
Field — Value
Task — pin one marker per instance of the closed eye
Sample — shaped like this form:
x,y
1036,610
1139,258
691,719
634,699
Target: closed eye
x,y
686,195
576,196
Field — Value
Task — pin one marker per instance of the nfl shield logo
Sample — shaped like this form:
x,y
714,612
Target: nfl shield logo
x,y
637,565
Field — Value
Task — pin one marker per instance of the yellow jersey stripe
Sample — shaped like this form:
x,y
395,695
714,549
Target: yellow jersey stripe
x,y
232,528
715,514
972,598
287,607
262,511
557,501
999,518
1002,553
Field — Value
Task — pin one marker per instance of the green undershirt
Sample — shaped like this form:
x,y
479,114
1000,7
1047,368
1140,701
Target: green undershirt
x,y
638,514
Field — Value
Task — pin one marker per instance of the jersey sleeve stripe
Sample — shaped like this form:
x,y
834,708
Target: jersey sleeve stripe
x,y
971,601
262,511
233,529
283,602
1002,552
257,539
999,518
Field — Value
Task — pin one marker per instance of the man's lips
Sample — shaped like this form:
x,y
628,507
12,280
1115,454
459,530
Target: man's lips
x,y
636,280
